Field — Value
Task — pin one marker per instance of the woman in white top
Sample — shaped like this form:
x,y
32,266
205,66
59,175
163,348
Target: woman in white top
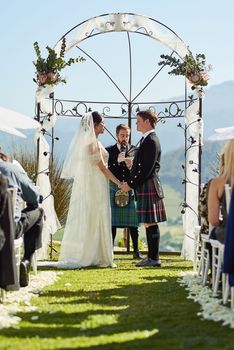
x,y
87,239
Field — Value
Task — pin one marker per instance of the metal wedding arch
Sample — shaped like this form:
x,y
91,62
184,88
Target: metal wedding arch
x,y
48,108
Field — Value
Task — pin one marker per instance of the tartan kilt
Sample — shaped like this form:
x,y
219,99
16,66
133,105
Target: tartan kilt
x,y
150,208
126,216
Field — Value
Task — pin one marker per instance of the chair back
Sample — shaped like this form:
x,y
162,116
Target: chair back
x,y
13,192
228,191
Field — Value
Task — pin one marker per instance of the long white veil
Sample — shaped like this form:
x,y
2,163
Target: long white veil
x,y
87,235
78,156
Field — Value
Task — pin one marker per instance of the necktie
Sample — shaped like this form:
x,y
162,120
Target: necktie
x,y
123,148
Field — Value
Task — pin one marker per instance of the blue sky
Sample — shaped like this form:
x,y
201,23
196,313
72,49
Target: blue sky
x,y
205,26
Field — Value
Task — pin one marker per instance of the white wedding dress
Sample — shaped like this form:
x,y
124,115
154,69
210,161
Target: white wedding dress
x,y
87,239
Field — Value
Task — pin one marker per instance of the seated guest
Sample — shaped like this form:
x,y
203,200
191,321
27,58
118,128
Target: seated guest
x,y
28,222
8,269
203,208
217,213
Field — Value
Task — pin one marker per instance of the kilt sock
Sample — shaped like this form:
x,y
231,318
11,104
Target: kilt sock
x,y
153,238
134,236
113,230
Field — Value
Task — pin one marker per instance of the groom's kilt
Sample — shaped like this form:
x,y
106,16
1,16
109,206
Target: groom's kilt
x,y
125,216
150,208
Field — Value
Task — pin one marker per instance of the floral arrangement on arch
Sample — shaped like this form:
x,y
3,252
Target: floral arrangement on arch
x,y
48,69
193,68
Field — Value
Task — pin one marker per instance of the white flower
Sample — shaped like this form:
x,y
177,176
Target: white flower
x,y
19,301
34,318
212,309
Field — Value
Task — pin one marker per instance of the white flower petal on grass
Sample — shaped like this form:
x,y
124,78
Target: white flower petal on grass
x,y
34,318
19,301
52,312
212,308
67,285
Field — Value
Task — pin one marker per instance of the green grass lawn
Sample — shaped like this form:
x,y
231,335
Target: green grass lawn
x,y
125,308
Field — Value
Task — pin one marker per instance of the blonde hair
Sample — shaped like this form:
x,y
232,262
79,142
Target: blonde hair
x,y
228,159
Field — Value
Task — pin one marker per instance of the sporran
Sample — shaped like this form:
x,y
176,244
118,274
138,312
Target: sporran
x,y
122,198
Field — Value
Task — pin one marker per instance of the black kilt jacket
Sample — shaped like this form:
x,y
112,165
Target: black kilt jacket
x,y
120,170
121,216
146,164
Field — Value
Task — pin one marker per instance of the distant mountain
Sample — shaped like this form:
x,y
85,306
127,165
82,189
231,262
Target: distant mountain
x,y
218,111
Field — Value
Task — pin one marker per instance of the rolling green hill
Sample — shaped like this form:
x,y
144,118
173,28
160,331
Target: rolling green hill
x,y
172,174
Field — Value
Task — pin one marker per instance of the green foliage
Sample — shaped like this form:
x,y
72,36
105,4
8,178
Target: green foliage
x,y
173,200
61,188
193,68
172,174
47,69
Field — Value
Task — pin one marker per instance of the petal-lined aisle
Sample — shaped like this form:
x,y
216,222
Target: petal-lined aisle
x,y
20,301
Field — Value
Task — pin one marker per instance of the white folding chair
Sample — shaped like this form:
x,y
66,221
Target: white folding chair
x,y
217,263
228,191
34,263
205,258
34,257
18,243
197,249
3,295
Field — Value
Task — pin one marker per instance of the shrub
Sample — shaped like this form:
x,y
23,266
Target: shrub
x,y
61,189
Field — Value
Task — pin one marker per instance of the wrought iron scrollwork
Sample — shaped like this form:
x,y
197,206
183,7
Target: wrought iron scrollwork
x,y
70,112
147,32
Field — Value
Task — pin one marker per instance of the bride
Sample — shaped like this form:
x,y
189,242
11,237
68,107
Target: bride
x,y
87,236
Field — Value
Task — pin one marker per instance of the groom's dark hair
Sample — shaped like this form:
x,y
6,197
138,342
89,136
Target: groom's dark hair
x,y
150,115
97,118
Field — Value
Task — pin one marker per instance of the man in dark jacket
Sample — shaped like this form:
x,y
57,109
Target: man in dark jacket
x,y
28,221
123,209
144,179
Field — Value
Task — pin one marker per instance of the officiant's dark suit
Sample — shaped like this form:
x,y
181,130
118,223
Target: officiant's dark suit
x,y
145,180
126,216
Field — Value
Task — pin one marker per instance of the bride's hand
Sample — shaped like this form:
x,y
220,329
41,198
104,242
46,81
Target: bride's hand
x,y
125,187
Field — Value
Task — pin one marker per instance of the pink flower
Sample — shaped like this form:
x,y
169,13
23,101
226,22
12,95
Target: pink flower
x,y
52,76
42,77
204,76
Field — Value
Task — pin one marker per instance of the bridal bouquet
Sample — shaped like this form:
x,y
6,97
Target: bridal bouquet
x,y
193,68
48,69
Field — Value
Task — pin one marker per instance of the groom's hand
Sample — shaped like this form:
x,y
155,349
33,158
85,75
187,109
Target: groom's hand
x,y
125,187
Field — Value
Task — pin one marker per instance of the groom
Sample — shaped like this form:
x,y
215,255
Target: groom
x,y
144,179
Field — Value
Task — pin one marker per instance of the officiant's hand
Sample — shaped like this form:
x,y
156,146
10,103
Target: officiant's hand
x,y
121,157
128,163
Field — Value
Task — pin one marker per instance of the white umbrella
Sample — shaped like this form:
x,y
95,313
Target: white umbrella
x,y
222,134
11,120
11,130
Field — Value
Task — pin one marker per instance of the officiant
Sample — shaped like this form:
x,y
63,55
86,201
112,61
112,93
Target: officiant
x,y
123,205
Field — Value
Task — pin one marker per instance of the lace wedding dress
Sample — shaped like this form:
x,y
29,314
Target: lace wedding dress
x,y
87,239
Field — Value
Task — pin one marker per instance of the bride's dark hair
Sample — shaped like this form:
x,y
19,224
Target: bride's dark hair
x,y
97,118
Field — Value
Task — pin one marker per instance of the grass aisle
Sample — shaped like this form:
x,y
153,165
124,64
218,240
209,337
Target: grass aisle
x,y
122,309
